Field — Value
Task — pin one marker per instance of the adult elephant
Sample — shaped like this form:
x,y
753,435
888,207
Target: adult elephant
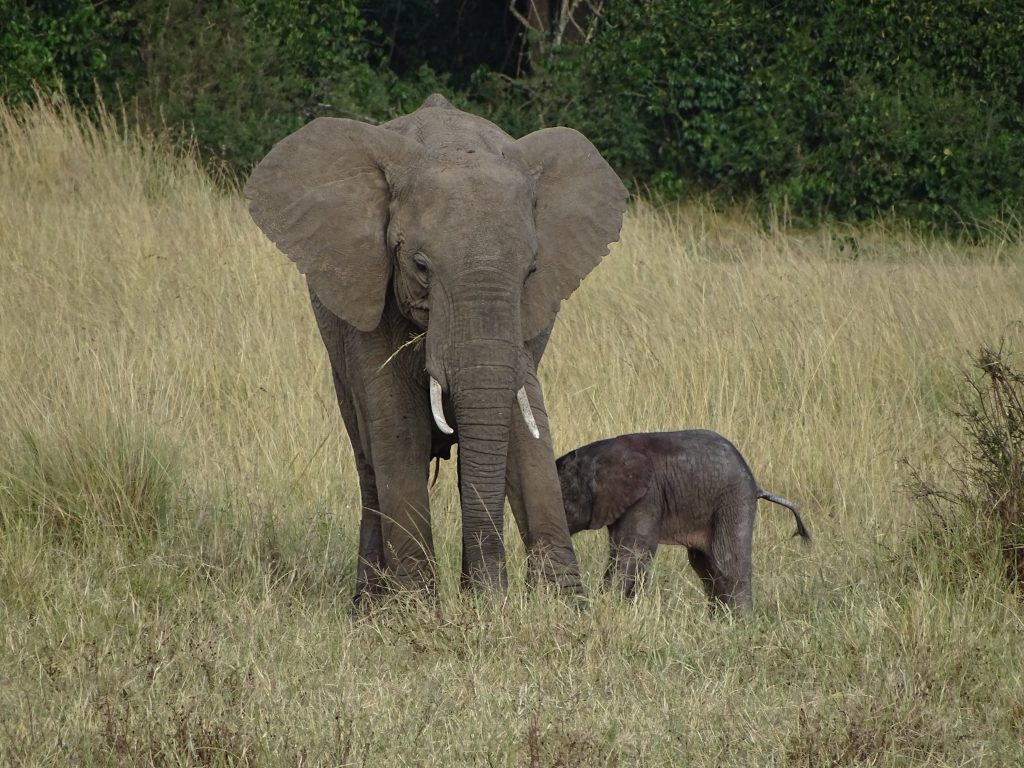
x,y
439,221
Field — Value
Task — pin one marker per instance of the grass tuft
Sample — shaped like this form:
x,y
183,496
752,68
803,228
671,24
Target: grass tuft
x,y
81,478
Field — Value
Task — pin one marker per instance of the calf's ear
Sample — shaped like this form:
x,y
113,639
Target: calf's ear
x,y
621,479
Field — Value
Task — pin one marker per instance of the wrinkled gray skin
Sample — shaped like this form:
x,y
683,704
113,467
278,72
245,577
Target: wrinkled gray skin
x,y
439,222
691,488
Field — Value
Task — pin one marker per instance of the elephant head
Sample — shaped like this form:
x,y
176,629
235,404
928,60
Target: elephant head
x,y
477,238
601,482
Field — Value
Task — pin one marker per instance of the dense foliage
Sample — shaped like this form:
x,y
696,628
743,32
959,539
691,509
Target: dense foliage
x,y
236,75
837,110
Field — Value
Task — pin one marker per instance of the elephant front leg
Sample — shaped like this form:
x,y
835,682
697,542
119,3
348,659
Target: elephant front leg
x,y
370,565
535,496
388,425
401,466
395,543
633,541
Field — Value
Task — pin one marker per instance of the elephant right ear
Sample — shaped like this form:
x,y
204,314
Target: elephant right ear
x,y
621,479
578,207
322,196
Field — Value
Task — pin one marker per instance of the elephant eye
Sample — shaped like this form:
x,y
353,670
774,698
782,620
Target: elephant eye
x,y
531,270
420,263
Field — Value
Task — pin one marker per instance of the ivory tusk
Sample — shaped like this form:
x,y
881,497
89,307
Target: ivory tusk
x,y
436,408
524,406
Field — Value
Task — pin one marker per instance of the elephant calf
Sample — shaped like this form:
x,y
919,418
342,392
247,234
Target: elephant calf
x,y
691,488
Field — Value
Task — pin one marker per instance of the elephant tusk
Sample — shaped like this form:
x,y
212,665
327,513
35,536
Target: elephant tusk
x,y
436,408
524,406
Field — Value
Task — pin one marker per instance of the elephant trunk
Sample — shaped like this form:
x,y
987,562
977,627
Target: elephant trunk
x,y
483,402
479,360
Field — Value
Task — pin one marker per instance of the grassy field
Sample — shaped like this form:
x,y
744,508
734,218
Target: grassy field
x,y
178,507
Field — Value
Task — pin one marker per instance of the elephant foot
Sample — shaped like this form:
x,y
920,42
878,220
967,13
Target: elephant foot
x,y
412,577
363,602
366,605
555,567
484,576
369,583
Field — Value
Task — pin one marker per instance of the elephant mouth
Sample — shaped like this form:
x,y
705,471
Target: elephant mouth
x,y
419,313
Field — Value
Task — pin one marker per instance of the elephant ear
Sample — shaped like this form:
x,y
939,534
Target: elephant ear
x,y
621,479
322,196
578,211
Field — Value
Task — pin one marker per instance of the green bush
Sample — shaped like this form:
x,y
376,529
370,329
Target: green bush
x,y
240,76
72,45
233,77
825,111
838,110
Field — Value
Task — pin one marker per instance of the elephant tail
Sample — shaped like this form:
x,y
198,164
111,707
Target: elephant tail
x,y
801,529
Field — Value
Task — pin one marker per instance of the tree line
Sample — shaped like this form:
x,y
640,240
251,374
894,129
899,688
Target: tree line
x,y
826,111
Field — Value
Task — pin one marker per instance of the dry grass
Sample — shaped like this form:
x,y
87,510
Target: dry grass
x,y
166,400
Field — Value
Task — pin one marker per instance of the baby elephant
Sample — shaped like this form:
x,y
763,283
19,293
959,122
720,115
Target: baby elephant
x,y
691,488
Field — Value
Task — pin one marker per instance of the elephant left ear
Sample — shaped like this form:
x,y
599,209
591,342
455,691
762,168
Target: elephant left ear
x,y
621,479
578,211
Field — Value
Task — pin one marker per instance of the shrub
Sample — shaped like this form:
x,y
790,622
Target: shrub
x,y
993,418
828,110
70,45
233,77
985,514
240,76
822,110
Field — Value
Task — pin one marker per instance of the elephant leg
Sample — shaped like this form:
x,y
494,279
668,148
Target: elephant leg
x,y
370,565
370,561
732,588
724,589
613,561
401,526
535,495
730,556
701,564
633,539
391,451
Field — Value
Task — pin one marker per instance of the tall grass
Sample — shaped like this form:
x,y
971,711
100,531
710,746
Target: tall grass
x,y
161,370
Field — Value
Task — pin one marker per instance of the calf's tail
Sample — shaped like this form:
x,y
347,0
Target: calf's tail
x,y
801,529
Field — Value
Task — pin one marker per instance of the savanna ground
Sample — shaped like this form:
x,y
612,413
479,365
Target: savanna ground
x,y
178,507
